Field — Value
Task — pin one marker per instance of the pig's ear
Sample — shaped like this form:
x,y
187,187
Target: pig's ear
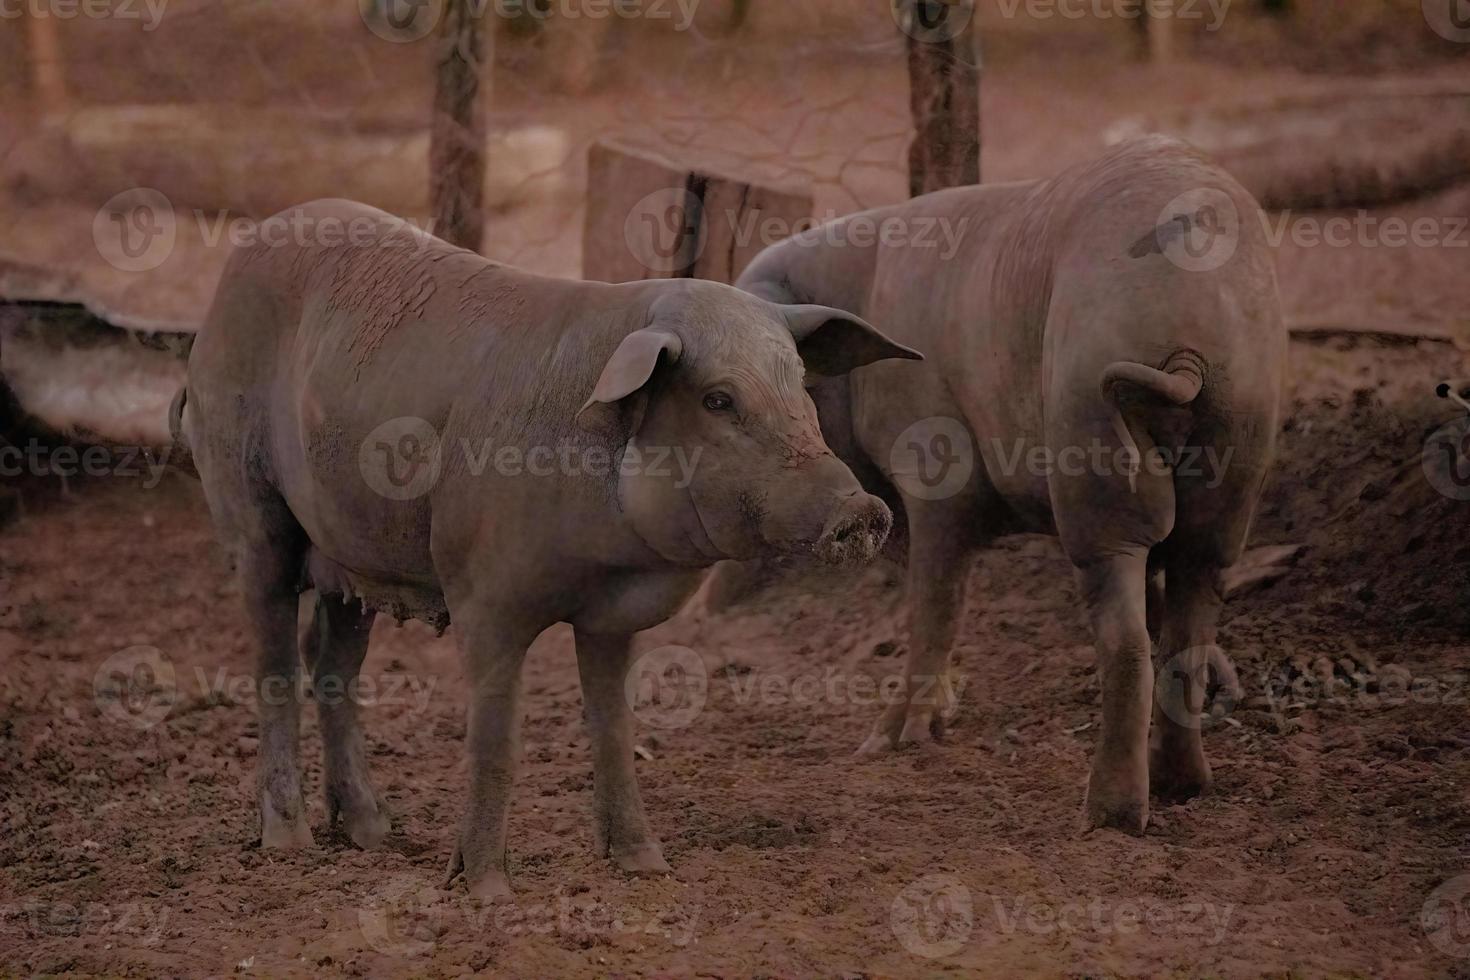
x,y
832,342
627,371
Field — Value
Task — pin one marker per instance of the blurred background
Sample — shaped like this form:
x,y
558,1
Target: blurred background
x,y
240,109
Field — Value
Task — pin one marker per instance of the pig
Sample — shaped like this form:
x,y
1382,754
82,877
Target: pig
x,y
337,399
1121,317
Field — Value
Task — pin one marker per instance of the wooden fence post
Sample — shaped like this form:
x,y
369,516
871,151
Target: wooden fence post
x,y
457,130
648,218
944,93
1160,17
48,76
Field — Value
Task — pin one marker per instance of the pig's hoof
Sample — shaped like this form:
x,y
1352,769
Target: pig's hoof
x,y
921,726
492,887
366,827
903,725
645,859
878,743
277,831
1115,809
364,818
1175,781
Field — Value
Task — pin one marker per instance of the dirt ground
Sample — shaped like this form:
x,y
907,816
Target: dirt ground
x,y
130,832
1336,841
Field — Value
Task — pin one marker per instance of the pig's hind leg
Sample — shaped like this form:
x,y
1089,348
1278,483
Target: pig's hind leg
x,y
1214,518
943,535
1108,525
903,417
270,549
1178,769
334,648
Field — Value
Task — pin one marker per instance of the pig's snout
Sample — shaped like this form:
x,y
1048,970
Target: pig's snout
x,y
856,530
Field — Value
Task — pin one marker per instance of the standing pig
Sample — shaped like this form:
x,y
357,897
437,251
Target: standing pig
x,y
337,399
1122,318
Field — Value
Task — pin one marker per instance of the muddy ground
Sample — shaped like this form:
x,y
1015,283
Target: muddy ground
x,y
129,841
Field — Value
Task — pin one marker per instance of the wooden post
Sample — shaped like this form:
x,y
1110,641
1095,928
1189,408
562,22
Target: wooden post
x,y
944,93
648,218
457,132
48,78
9,425
1159,15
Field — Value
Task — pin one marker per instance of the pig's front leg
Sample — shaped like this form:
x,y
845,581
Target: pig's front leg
x,y
493,740
620,827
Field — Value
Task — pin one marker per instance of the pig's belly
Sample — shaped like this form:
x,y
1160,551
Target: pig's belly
x,y
1011,451
399,597
368,542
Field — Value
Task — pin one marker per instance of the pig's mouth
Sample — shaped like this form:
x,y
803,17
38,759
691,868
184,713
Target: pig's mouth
x,y
855,534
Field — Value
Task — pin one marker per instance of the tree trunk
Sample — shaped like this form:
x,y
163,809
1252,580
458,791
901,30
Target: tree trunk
x,y
944,94
457,136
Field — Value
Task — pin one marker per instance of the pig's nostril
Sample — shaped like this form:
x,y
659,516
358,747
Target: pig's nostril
x,y
856,532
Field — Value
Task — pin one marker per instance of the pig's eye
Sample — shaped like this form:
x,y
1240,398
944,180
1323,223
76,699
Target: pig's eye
x,y
718,401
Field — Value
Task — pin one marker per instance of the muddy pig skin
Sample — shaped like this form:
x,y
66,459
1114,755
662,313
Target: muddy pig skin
x,y
408,427
1105,355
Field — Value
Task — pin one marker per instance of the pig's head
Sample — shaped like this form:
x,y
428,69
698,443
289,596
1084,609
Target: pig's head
x,y
723,456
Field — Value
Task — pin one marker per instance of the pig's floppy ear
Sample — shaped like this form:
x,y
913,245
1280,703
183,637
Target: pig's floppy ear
x,y
627,371
832,342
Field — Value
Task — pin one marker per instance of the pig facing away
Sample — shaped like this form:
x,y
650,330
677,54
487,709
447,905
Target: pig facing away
x,y
1104,360
349,407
